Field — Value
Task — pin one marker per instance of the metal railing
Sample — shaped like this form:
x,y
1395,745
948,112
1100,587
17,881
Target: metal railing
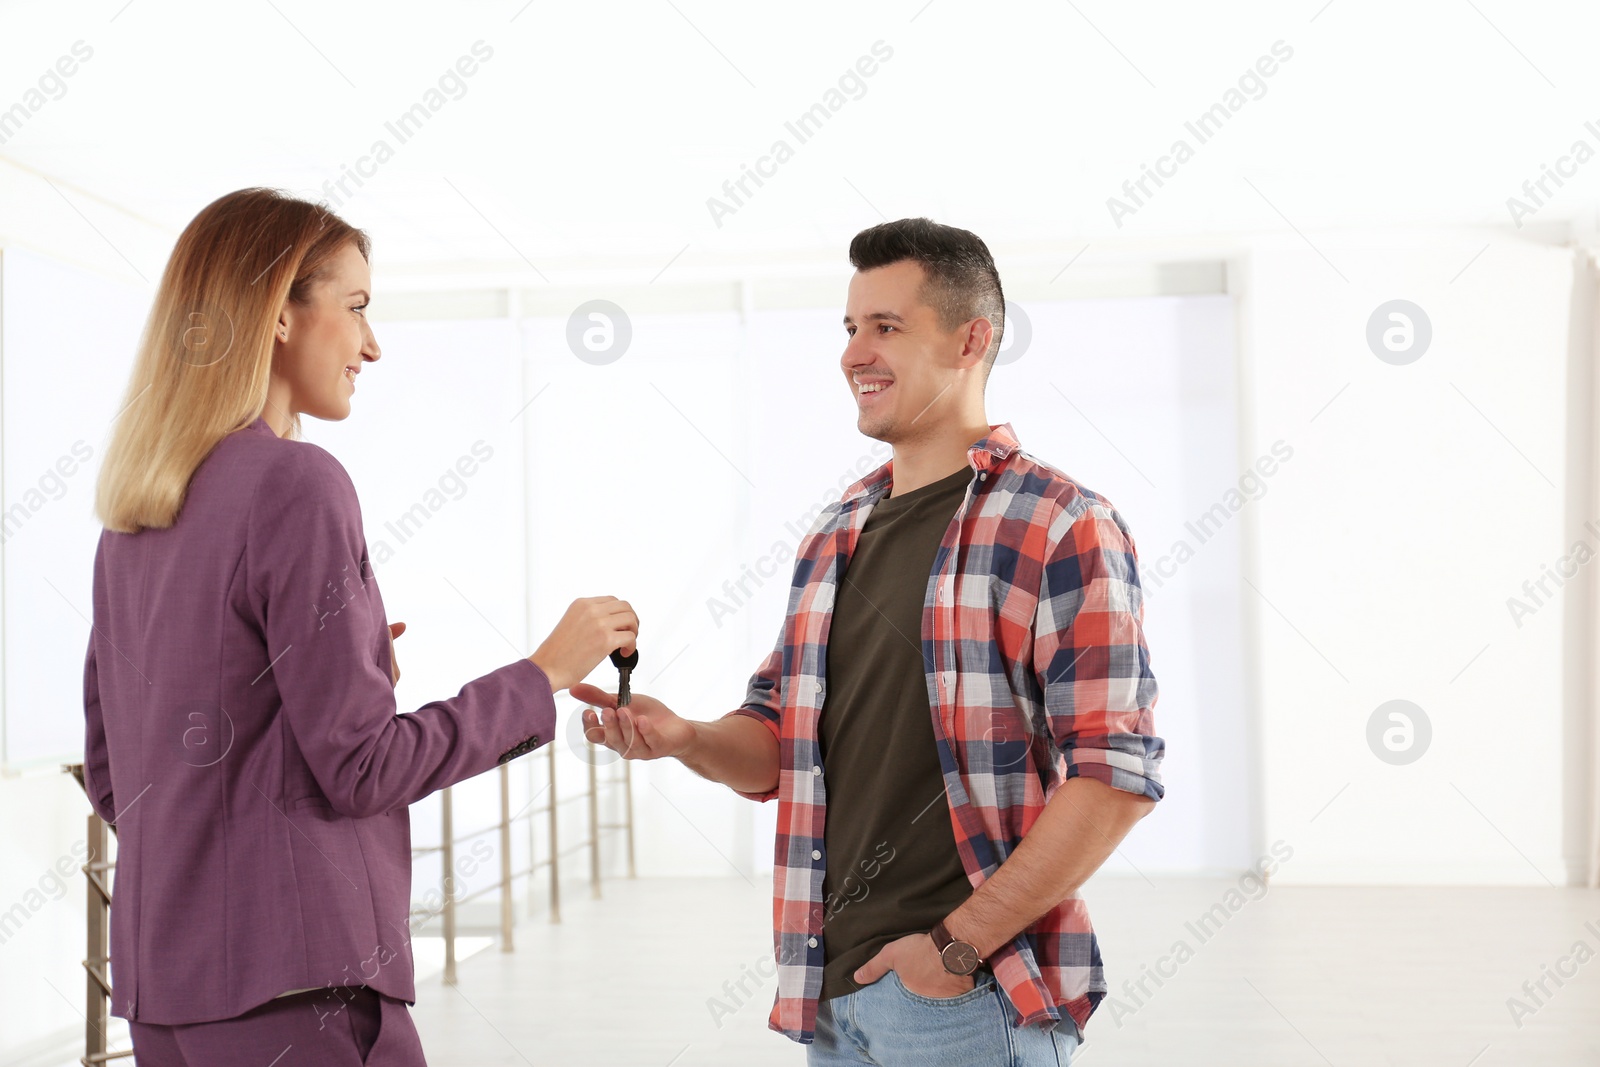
x,y
624,779
448,837
97,870
97,949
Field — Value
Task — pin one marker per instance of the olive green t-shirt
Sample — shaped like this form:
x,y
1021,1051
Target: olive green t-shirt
x,y
892,865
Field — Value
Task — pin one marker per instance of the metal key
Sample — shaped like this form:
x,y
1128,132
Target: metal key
x,y
625,666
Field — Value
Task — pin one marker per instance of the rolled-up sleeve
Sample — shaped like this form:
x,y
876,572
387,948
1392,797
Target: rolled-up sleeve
x,y
1090,656
328,646
763,702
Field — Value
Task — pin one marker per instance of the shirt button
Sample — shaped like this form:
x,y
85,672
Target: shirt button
x,y
816,771
819,686
812,942
816,854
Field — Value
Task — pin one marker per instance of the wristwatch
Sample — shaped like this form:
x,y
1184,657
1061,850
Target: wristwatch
x,y
958,956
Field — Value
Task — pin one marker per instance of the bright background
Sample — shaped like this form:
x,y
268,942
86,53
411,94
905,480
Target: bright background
x,y
1169,349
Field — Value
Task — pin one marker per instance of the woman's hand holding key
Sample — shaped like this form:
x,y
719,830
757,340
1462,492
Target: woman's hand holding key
x,y
586,634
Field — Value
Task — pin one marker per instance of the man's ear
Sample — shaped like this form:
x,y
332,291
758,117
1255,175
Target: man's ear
x,y
977,335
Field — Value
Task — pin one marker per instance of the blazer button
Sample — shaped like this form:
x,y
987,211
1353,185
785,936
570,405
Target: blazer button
x,y
521,749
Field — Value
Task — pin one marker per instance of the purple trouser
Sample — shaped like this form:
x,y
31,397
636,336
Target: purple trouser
x,y
323,1028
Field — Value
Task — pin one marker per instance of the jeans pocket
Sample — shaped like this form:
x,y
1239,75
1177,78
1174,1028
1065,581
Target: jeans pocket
x,y
983,984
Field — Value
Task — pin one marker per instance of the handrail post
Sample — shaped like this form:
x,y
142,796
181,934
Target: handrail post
x,y
555,847
627,813
506,917
594,827
448,852
533,841
97,1014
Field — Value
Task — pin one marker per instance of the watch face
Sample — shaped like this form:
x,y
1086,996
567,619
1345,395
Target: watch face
x,y
960,958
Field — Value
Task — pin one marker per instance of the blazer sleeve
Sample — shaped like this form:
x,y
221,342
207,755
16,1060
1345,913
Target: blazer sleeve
x,y
327,643
96,762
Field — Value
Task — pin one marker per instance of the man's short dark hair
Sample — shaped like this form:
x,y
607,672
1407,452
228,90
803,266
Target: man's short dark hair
x,y
962,282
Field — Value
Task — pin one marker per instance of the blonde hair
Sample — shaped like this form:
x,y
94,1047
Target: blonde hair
x,y
205,359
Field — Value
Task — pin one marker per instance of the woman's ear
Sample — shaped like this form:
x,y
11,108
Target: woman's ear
x,y
281,331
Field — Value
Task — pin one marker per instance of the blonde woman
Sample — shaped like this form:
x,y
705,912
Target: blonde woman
x,y
241,727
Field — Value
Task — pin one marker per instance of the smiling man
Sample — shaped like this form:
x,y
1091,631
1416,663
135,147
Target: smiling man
x,y
956,720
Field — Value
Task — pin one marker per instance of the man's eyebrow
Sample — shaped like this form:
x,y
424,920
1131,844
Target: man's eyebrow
x,y
878,316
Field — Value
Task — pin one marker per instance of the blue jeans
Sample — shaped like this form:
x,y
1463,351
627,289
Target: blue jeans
x,y
887,1025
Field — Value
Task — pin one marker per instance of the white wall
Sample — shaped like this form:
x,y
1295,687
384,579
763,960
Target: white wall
x,y
1419,499
67,338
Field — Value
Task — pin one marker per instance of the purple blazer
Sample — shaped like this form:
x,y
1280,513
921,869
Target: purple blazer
x,y
241,733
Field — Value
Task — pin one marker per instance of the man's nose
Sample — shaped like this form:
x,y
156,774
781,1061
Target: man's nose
x,y
855,354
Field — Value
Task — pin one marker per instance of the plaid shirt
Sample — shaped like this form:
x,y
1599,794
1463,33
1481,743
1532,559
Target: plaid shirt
x,y
1037,672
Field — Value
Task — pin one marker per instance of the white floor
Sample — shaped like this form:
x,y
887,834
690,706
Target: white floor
x,y
1320,977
